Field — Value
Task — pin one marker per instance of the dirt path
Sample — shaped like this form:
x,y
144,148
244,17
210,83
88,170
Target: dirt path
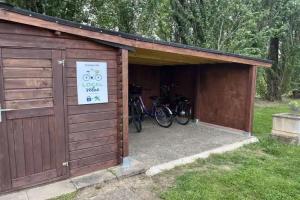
x,y
139,187
133,188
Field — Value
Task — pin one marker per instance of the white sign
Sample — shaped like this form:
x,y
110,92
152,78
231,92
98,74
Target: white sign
x,y
92,82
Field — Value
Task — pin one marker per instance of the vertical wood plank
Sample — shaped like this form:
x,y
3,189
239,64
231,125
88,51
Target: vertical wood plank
x,y
11,145
28,145
124,60
60,136
197,95
65,107
5,175
45,143
37,145
19,147
52,142
250,98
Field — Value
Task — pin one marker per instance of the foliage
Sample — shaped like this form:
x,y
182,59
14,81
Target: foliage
x,y
74,10
294,106
283,19
260,28
261,86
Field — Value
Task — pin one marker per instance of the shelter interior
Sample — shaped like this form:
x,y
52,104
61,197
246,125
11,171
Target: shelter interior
x,y
219,92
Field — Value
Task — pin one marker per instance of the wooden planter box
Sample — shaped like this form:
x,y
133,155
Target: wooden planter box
x,y
286,127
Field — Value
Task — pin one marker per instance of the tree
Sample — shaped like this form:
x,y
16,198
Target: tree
x,y
283,42
73,10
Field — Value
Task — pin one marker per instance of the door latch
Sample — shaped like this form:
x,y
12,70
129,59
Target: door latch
x,y
65,164
61,62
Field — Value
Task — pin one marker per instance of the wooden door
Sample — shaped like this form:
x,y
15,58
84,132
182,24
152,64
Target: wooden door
x,y
93,129
34,133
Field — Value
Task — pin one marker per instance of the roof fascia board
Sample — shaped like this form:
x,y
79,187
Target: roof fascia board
x,y
112,44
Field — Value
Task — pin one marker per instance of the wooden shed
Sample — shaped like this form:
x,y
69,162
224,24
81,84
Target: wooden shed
x,y
46,135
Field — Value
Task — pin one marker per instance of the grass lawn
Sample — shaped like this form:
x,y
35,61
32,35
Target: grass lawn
x,y
266,170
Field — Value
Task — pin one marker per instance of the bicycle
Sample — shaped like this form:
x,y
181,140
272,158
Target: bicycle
x,y
135,113
180,106
92,76
161,113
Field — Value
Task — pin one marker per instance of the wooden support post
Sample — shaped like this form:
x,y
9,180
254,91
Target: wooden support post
x,y
125,101
250,98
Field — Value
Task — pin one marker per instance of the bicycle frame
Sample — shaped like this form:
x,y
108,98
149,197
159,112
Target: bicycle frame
x,y
147,112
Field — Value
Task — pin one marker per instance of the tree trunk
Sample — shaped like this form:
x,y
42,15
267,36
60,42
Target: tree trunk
x,y
273,74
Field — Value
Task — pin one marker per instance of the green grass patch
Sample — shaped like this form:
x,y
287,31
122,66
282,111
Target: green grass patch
x,y
70,196
263,118
267,170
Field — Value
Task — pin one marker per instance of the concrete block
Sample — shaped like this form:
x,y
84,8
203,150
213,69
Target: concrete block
x,y
288,138
130,167
286,127
92,179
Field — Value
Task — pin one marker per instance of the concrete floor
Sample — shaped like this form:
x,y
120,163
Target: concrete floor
x,y
156,145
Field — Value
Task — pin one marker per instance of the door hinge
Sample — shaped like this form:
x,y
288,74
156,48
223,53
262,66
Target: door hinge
x,y
61,62
65,164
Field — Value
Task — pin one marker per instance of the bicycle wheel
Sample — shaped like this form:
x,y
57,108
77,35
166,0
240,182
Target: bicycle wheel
x,y
183,113
163,116
136,117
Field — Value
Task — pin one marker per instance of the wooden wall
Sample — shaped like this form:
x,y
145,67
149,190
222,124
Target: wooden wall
x,y
183,78
148,78
47,116
152,78
225,94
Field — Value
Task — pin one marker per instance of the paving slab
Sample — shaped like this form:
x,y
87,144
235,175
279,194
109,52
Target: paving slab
x,y
51,190
190,159
15,196
130,167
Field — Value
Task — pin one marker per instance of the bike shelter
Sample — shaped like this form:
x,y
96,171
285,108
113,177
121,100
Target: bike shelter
x,y
49,132
218,93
